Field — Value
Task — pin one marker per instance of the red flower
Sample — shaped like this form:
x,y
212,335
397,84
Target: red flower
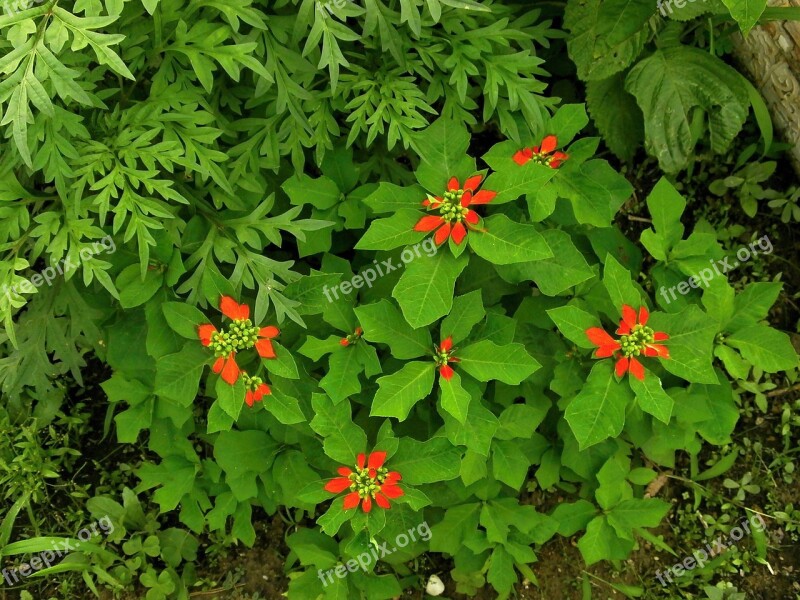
x,y
240,335
352,338
256,389
443,356
637,340
370,481
543,155
455,217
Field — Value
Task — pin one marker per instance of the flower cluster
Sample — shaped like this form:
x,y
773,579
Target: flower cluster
x,y
543,155
455,215
636,340
240,335
256,389
370,481
352,338
443,354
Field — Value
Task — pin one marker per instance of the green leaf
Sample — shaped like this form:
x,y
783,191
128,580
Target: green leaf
x,y
509,463
344,440
283,364
636,513
426,462
322,192
691,338
332,521
596,191
721,407
241,452
674,83
81,29
746,12
455,399
652,398
230,397
476,433
600,542
392,232
284,408
389,197
568,121
566,269
311,292
605,37
616,115
753,304
485,360
572,517
734,364
425,289
341,380
505,242
501,572
598,411
573,322
178,375
442,146
516,181
383,323
399,392
315,348
764,347
617,281
467,312
666,206
183,318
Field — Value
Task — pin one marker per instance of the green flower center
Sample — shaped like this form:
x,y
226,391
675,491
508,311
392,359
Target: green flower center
x,y
353,338
361,482
636,341
542,158
450,209
252,383
240,335
442,358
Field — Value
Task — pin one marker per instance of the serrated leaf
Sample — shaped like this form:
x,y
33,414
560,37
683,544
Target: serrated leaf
x,y
505,242
383,323
399,392
598,411
425,289
178,375
652,398
486,360
455,399
673,83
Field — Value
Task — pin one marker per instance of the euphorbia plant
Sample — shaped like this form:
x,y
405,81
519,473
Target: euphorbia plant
x,y
477,371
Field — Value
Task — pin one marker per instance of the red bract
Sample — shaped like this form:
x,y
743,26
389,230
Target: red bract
x,y
370,481
264,343
228,368
543,154
637,340
444,355
240,335
455,217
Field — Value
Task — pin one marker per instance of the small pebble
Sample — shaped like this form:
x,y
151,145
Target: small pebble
x,y
435,586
